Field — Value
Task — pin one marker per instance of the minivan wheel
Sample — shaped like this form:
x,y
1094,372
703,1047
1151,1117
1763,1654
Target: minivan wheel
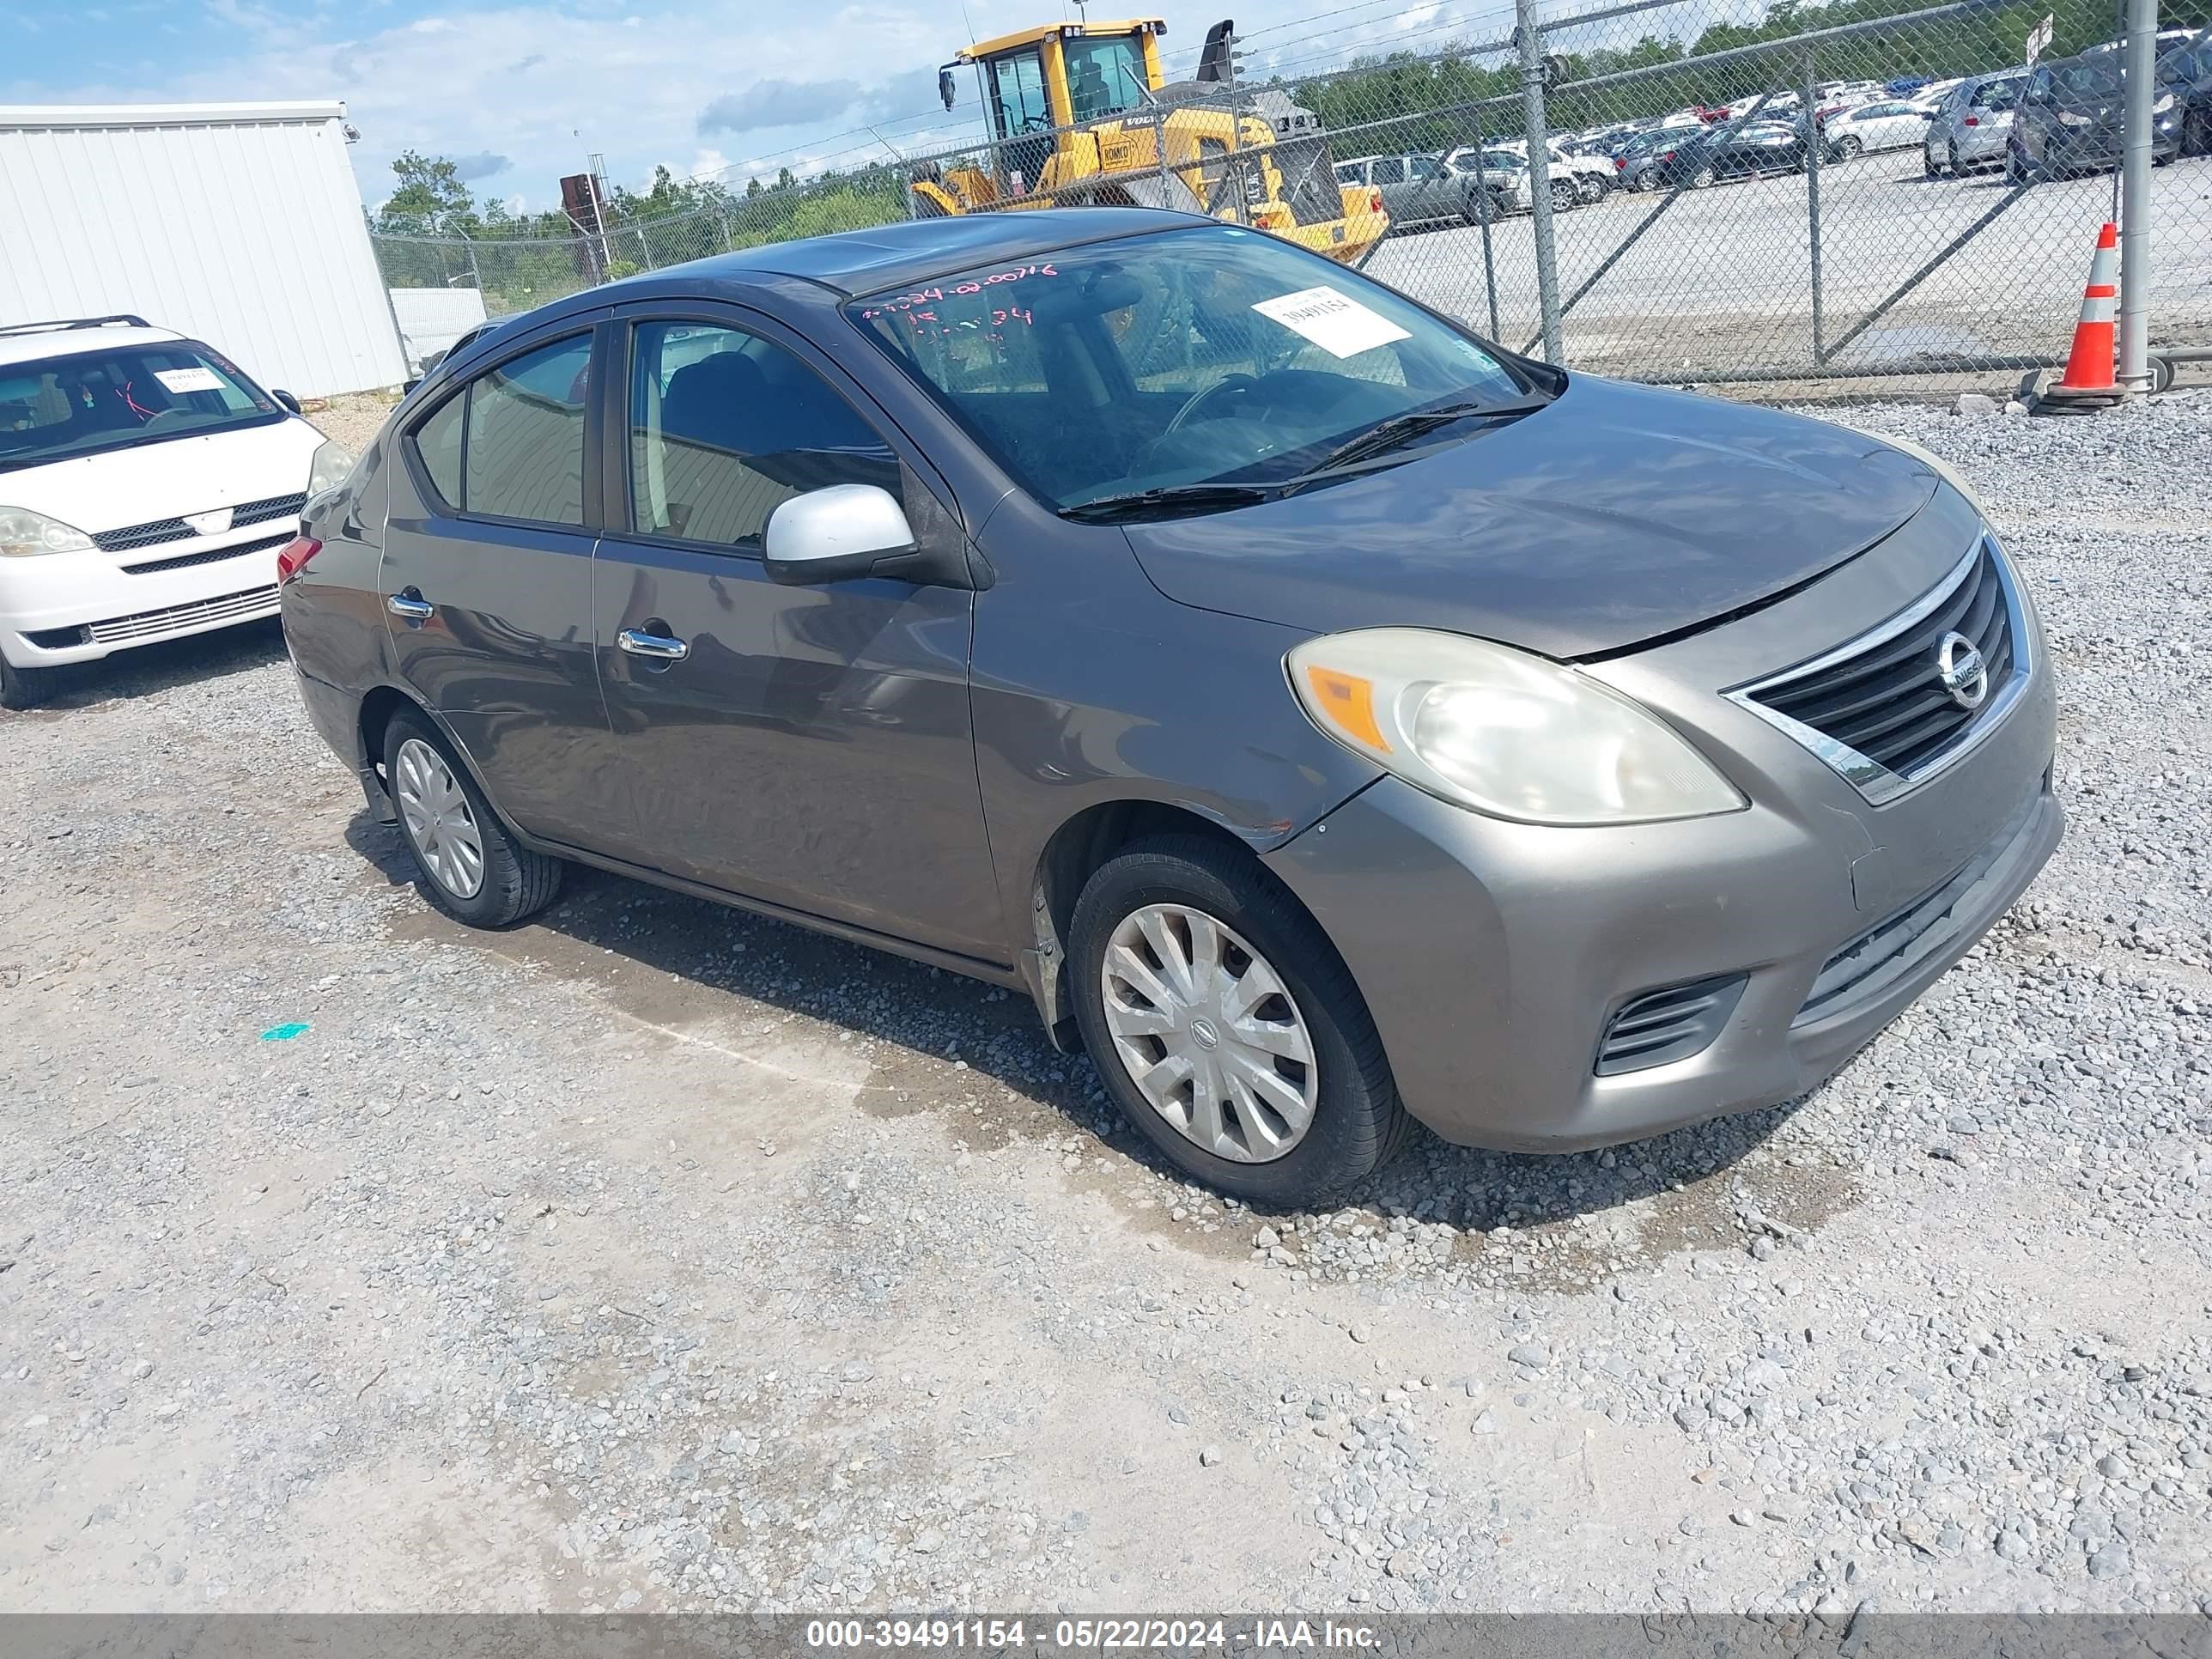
x,y
1225,1026
472,869
25,688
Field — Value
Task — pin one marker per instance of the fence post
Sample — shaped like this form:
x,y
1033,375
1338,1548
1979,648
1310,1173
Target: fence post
x,y
475,271
1539,178
1814,143
1160,152
2134,372
1482,207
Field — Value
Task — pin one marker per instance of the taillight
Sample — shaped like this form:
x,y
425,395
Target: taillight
x,y
292,557
1375,201
1971,121
1668,156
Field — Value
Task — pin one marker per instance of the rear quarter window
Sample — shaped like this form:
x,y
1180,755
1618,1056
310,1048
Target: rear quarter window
x,y
437,444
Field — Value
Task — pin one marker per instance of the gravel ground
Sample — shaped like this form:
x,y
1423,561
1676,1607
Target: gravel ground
x,y
656,1256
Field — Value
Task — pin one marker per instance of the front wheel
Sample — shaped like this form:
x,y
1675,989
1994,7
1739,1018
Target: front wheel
x,y
1563,196
1591,189
2196,133
1847,147
1225,1026
25,688
1702,178
472,867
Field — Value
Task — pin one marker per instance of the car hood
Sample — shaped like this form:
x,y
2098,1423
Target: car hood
x,y
1616,515
165,480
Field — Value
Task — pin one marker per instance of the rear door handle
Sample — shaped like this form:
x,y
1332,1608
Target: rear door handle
x,y
659,647
411,605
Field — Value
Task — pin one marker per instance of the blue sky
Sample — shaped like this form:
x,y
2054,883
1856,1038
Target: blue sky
x,y
518,92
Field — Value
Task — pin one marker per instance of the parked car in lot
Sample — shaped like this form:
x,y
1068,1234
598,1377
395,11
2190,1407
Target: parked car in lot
x,y
1419,189
146,482
1889,125
1514,176
1744,153
1969,127
2069,118
1593,176
1331,718
2186,73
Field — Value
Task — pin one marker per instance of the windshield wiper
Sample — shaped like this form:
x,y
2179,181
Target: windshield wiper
x,y
1388,434
1169,499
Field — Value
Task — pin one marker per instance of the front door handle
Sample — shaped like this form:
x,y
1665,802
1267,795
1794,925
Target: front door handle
x,y
411,605
639,643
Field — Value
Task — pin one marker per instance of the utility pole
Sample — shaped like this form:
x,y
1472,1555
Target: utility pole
x,y
2134,368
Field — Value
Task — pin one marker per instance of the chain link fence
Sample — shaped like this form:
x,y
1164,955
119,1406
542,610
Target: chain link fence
x,y
1828,194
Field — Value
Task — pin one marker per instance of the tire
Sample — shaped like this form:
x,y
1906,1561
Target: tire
x,y
1702,178
1958,167
2196,133
25,688
1564,196
512,882
1590,188
1356,1124
1848,148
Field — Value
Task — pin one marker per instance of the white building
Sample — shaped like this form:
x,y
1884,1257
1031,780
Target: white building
x,y
239,224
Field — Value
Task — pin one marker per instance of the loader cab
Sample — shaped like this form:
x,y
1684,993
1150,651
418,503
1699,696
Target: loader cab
x,y
1065,75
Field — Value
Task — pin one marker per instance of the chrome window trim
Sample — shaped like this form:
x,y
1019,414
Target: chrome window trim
x,y
1870,777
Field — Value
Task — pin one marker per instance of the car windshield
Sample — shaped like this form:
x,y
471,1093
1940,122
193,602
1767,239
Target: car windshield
x,y
55,409
2088,77
1211,356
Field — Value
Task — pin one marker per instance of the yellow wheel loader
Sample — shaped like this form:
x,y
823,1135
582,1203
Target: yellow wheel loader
x,y
1082,116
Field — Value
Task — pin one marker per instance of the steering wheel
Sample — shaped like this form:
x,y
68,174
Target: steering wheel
x,y
1231,385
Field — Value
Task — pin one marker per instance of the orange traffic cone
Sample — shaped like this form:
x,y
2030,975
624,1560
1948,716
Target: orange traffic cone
x,y
2089,365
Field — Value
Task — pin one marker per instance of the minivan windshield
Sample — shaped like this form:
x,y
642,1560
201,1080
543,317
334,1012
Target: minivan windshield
x,y
55,409
1207,356
2087,77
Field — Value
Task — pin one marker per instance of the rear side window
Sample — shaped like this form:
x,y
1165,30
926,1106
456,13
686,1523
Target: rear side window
x,y
1390,170
725,427
525,450
511,445
438,443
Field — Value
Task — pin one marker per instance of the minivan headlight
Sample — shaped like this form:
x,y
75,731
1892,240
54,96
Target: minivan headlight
x,y
25,534
329,468
1502,732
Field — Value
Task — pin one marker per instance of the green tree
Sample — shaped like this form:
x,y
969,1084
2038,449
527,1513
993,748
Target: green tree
x,y
431,199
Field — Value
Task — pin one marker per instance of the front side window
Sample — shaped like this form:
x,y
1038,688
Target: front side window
x,y
523,446
56,409
1390,170
1019,103
1104,76
1208,354
1425,168
725,427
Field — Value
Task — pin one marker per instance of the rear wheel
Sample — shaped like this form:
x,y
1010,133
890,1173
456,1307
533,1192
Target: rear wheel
x,y
1590,187
1702,178
1929,167
1226,1027
25,688
472,868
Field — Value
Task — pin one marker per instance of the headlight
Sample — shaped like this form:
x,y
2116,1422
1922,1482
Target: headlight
x,y
1502,732
25,534
1935,464
2163,105
2067,118
329,469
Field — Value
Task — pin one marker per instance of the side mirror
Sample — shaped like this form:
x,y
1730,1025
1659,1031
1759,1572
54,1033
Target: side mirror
x,y
837,534
285,399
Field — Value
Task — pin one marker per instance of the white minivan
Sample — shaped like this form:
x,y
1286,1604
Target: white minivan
x,y
146,485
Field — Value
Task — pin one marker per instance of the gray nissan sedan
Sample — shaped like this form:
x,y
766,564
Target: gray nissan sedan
x,y
1325,715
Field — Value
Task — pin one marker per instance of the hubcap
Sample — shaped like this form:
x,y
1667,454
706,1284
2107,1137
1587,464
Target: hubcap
x,y
1209,1033
439,826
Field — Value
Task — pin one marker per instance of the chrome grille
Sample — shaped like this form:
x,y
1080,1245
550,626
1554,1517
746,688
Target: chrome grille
x,y
213,555
1659,1027
158,531
1877,709
230,607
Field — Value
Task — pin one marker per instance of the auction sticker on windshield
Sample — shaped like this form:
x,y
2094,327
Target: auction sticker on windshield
x,y
1337,323
182,381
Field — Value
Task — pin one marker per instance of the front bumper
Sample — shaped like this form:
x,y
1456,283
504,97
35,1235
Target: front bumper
x,y
1493,955
79,607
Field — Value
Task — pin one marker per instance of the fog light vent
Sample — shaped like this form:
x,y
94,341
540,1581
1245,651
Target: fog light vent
x,y
1659,1027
